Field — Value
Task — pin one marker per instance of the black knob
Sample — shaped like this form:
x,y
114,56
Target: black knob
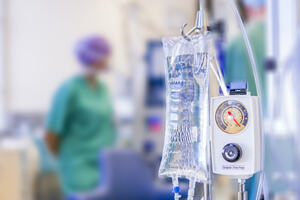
x,y
232,152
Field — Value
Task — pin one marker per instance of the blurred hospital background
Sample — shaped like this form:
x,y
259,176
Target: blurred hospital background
x,y
37,42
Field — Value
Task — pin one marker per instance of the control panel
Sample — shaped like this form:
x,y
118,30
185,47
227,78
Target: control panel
x,y
236,135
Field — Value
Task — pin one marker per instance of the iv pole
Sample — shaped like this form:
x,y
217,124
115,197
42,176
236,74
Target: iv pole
x,y
200,21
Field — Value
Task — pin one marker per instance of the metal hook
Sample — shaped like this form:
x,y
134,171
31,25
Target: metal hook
x,y
188,35
200,26
183,34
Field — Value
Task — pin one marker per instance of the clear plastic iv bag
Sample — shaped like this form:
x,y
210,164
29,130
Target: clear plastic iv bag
x,y
186,150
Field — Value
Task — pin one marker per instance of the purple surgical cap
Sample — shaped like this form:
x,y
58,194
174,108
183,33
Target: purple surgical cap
x,y
92,49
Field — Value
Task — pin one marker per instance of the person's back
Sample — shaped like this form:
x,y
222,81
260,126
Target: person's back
x,y
238,66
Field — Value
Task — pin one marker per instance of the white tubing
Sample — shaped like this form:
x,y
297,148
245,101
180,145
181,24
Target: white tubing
x,y
248,46
257,83
220,75
219,79
177,196
176,184
191,191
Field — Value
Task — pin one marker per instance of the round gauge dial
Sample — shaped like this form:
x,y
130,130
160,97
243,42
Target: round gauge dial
x,y
232,117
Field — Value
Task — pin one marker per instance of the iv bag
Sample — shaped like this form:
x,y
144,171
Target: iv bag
x,y
186,150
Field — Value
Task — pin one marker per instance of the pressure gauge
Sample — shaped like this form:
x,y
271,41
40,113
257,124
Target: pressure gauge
x,y
231,116
236,134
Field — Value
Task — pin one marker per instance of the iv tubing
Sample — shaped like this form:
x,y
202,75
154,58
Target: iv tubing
x,y
248,46
223,88
242,194
219,76
176,185
191,191
256,79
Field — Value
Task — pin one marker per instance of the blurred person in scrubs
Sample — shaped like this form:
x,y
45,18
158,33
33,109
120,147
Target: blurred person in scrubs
x,y
238,66
79,123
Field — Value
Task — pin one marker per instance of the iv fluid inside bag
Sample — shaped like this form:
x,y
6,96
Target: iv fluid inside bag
x,y
186,149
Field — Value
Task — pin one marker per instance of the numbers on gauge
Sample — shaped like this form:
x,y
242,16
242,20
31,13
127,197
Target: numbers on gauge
x,y
232,116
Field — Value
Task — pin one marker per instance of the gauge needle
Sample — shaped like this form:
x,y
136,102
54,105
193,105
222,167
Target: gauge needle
x,y
229,113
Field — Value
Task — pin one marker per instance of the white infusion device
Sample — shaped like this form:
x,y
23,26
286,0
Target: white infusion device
x,y
236,133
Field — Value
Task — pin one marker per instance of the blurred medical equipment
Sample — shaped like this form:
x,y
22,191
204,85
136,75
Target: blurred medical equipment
x,y
154,98
186,151
19,163
29,167
282,131
119,166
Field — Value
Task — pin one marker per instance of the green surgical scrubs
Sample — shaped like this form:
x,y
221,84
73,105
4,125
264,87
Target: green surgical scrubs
x,y
238,66
82,118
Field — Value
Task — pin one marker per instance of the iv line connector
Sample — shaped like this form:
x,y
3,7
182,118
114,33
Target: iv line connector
x,y
242,193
